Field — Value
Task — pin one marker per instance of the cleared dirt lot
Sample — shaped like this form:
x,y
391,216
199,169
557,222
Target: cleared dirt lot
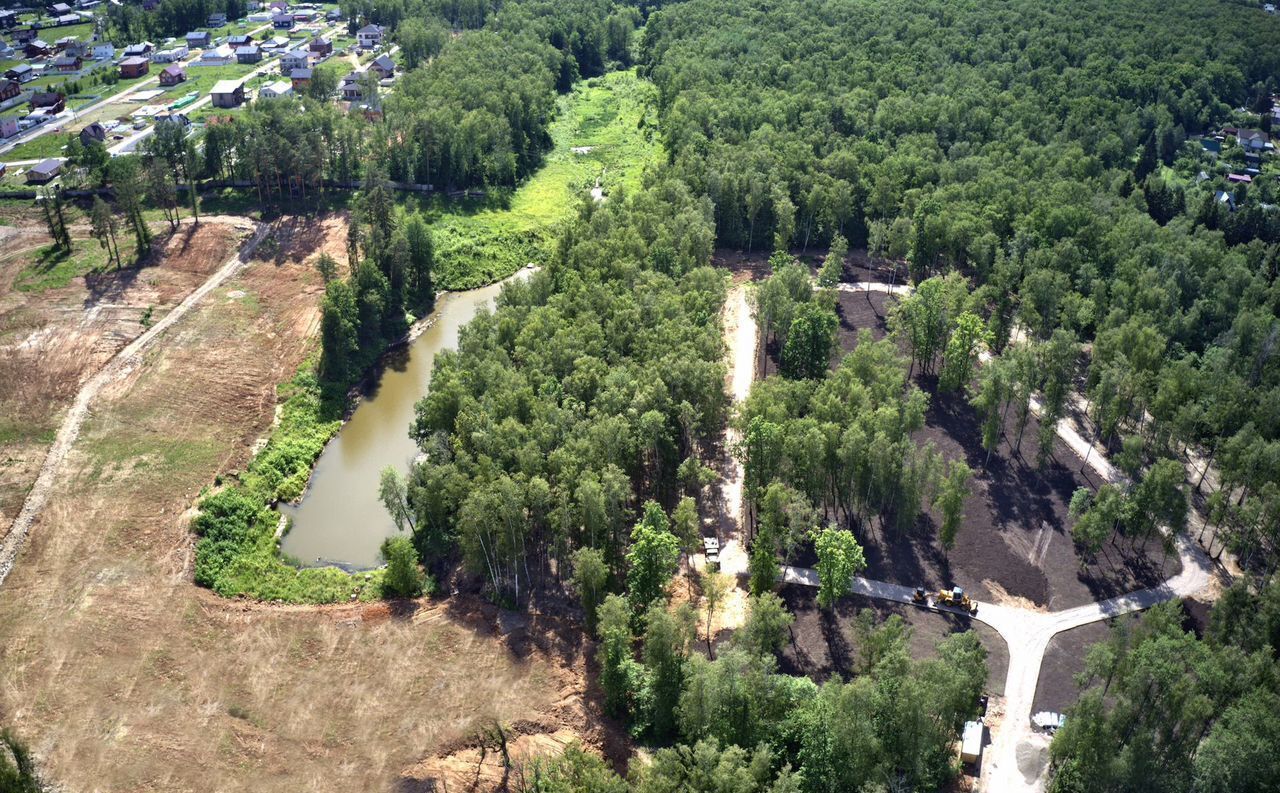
x,y
824,645
124,676
52,340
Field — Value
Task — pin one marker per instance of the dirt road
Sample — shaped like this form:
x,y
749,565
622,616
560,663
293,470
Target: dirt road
x,y
117,367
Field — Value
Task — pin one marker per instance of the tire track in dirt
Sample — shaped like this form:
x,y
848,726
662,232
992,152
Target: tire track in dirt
x,y
119,366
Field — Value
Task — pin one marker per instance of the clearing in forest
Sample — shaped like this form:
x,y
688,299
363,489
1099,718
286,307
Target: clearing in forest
x,y
604,133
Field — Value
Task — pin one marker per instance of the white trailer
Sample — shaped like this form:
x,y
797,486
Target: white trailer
x,y
971,742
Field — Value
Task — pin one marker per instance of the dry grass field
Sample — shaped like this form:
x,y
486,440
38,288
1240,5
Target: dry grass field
x,y
123,676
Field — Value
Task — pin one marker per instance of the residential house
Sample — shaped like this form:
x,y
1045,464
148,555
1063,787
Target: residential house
x,y
58,9
218,56
239,40
1226,199
216,20
282,21
69,45
384,67
23,73
6,49
300,79
36,48
275,90
135,66
199,38
369,36
142,49
1252,140
1239,178
173,117
334,15
305,16
49,101
8,126
8,18
248,54
67,19
278,7
44,172
104,51
172,55
173,74
228,93
9,89
66,65
23,35
94,133
294,59
350,87
320,47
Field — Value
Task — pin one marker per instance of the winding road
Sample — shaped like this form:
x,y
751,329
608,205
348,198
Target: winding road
x,y
1015,761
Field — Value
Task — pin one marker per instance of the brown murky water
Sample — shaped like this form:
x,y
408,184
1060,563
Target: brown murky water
x,y
340,520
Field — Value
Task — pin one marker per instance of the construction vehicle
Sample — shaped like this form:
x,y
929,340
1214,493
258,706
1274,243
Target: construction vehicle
x,y
919,596
956,598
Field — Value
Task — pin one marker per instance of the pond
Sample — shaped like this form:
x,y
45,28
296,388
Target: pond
x,y
340,520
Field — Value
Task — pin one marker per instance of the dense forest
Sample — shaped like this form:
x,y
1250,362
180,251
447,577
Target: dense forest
x,y
1036,151
126,23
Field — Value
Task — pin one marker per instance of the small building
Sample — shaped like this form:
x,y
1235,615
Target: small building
x,y
172,55
142,49
1225,199
282,21
218,56
276,43
320,47
216,20
23,73
8,18
198,38
9,89
8,126
104,51
305,15
36,48
228,93
369,36
350,87
67,19
248,54
23,35
45,171
1252,140
276,90
971,742
300,79
134,67
1239,178
65,64
294,59
383,66
173,117
173,74
58,9
49,101
94,133
239,40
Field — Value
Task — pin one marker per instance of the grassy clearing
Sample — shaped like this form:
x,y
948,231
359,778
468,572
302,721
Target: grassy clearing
x,y
50,144
479,242
54,269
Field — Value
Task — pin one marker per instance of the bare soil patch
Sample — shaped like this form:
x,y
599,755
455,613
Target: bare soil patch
x,y
51,341
823,644
125,676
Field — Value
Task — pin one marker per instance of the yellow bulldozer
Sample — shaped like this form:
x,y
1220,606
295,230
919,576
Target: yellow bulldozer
x,y
956,598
